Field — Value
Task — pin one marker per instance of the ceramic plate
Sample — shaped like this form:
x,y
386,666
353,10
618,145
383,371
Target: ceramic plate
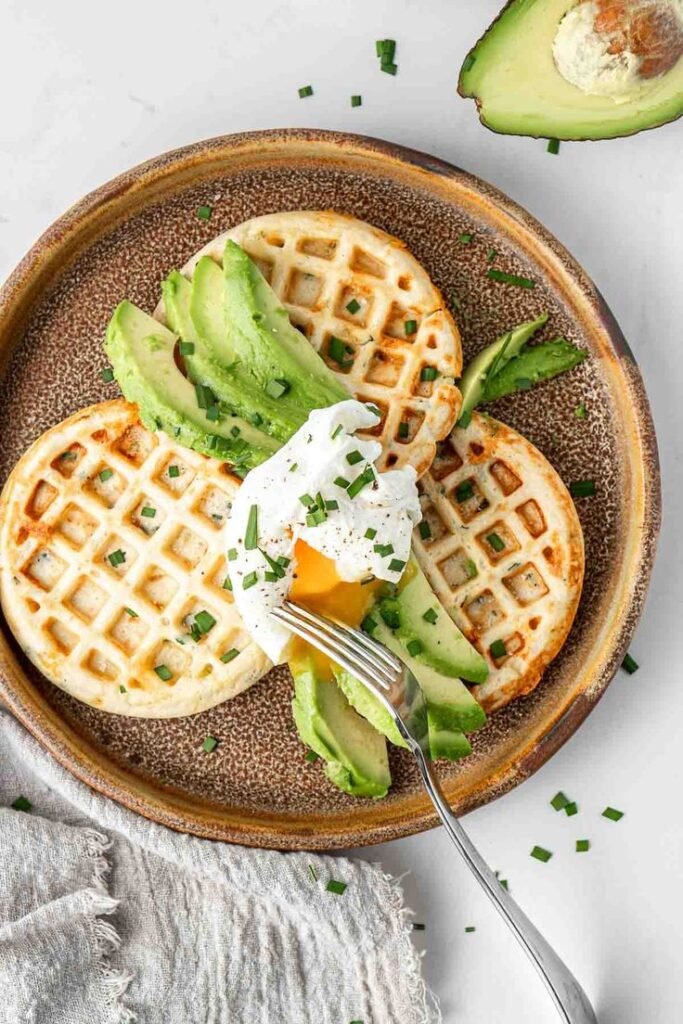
x,y
120,242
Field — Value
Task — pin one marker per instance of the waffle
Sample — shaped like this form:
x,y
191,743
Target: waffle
x,y
487,487
68,601
319,263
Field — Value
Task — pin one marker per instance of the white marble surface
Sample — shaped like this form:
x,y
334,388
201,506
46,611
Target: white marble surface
x,y
89,90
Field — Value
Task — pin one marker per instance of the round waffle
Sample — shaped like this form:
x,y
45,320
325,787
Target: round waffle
x,y
342,278
113,568
503,550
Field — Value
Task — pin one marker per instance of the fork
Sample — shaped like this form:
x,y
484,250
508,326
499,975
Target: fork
x,y
392,682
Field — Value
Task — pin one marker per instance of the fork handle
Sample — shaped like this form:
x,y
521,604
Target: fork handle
x,y
570,999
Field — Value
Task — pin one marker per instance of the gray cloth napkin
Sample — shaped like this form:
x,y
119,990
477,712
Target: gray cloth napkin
x,y
106,918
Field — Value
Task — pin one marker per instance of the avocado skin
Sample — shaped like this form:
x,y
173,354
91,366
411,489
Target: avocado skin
x,y
510,38
444,647
141,352
354,752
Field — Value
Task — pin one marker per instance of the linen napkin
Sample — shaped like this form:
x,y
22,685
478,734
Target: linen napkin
x,y
107,918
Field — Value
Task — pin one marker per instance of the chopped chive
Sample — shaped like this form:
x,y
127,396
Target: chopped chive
x,y
388,67
383,550
612,813
471,568
277,387
251,534
353,458
304,91
164,672
559,801
204,212
213,414
186,348
341,482
414,647
580,411
275,566
331,506
540,854
468,62
250,580
68,456
385,48
553,146
210,743
148,512
496,542
353,306
503,278
396,565
133,614
312,872
571,808
465,238
204,621
235,431
429,373
311,756
117,557
491,255
22,803
583,845
107,374
410,327
370,534
316,518
256,419
339,351
374,408
390,616
205,396
336,887
403,429
293,468
504,884
582,488
470,928
271,577
232,554
173,472
361,481
227,583
356,101
283,561
464,491
307,500
368,625
430,616
630,665
418,926
425,530
498,649
122,688
336,432
106,474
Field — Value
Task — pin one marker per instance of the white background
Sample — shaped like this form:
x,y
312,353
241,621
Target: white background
x,y
90,89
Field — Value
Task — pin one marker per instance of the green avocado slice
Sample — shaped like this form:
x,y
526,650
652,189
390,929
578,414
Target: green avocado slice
x,y
141,352
543,361
512,75
440,644
355,753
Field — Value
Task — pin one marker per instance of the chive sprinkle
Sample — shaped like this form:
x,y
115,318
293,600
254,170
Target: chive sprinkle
x,y
370,534
304,91
229,655
582,488
470,928
403,429
311,756
250,580
164,672
429,373
148,512
430,616
227,583
418,926
205,396
22,803
470,568
313,873
277,387
414,647
353,306
612,813
559,801
204,212
425,530
356,101
361,481
307,501
498,649
331,505
186,348
630,665
232,554
336,887
496,542
503,278
383,550
117,557
251,534
129,611
210,743
122,688
388,67
553,146
368,625
106,474
107,375
580,411
354,457
571,808
293,468
341,482
540,854
336,432
465,238
410,327
204,621
396,565
174,472
583,845
464,491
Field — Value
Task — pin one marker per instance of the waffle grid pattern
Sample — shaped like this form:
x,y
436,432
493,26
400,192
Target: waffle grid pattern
x,y
321,264
67,597
504,554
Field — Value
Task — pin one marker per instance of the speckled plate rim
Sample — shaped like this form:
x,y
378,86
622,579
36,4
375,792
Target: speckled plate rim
x,y
99,211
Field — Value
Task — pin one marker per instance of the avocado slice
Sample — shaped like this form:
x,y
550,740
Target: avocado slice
x,y
194,310
490,361
141,352
355,753
543,361
512,75
439,644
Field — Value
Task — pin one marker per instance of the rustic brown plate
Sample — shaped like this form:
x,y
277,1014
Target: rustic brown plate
x,y
120,241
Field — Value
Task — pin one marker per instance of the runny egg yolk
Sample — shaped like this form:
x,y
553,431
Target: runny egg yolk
x,y
318,587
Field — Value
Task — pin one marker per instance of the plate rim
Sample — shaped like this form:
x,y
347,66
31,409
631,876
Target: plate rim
x,y
74,752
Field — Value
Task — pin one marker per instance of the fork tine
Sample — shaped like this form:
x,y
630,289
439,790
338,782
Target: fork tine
x,y
349,638
379,650
355,664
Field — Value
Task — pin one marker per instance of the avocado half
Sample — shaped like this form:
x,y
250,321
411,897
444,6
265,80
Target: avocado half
x,y
511,74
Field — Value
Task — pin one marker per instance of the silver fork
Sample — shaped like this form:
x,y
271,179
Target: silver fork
x,y
395,686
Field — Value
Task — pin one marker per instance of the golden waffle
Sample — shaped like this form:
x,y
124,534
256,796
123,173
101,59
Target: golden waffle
x,y
319,264
504,552
81,494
